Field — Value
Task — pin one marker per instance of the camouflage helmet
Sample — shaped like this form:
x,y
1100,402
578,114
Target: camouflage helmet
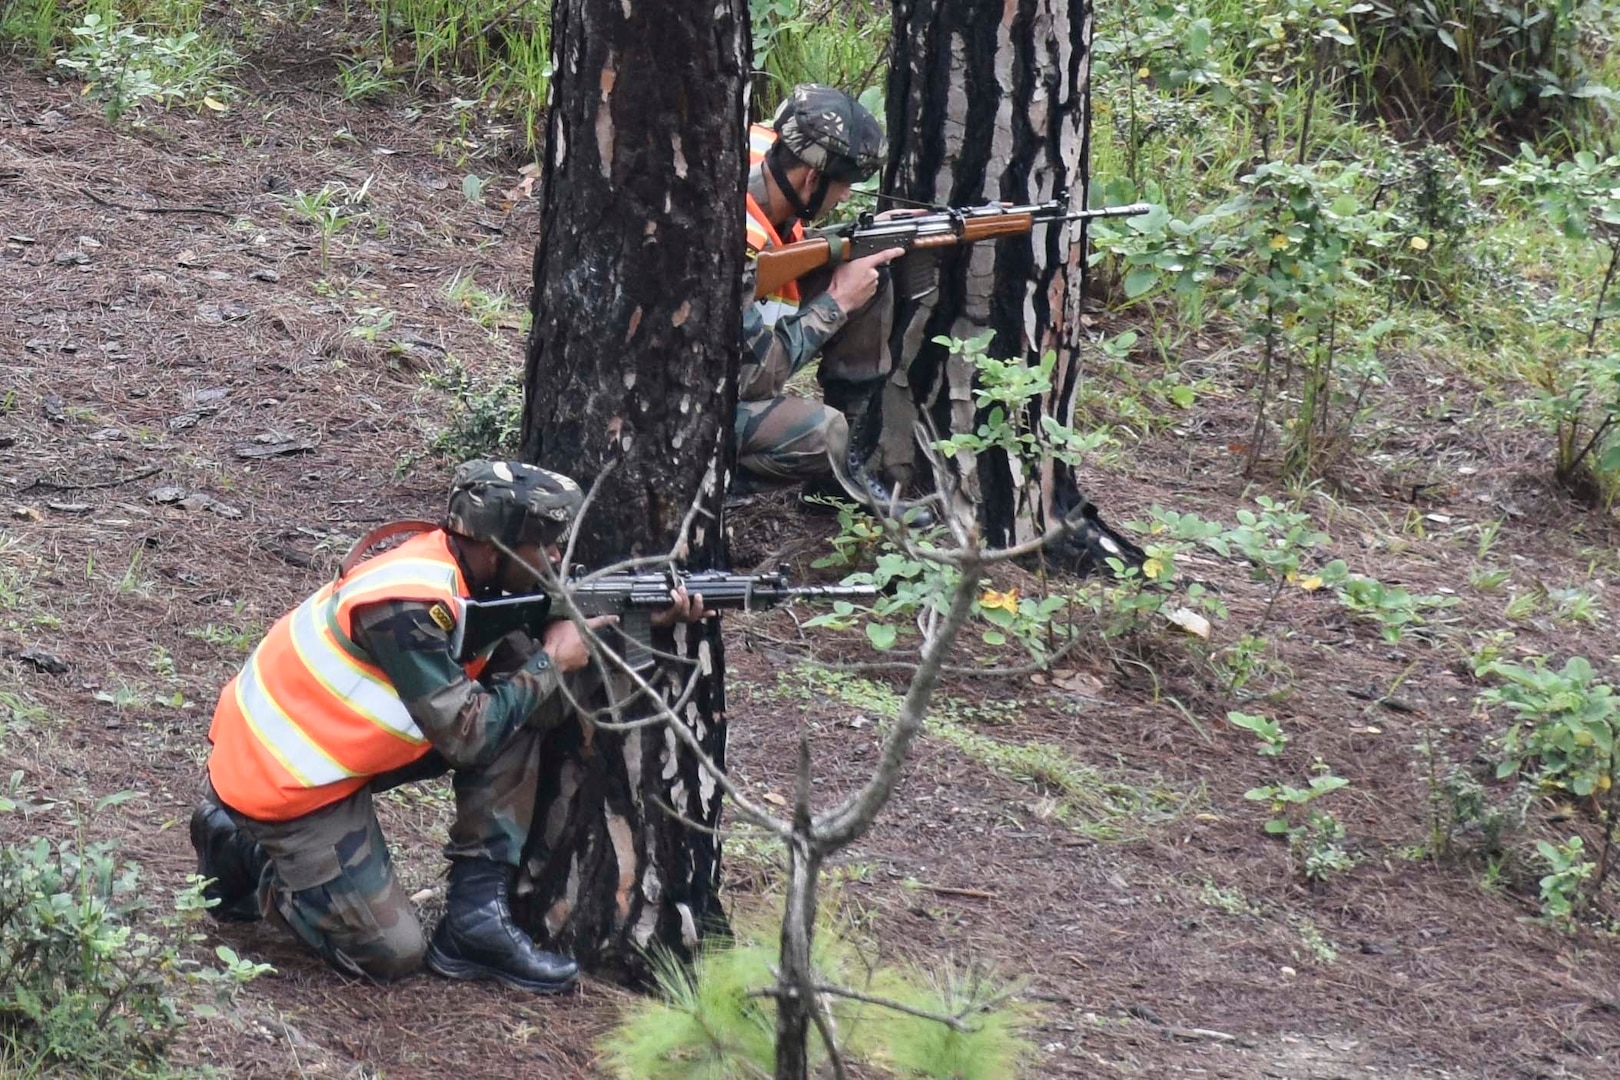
x,y
511,502
831,132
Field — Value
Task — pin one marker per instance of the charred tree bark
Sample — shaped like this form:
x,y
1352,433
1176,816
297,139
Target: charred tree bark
x,y
988,100
630,377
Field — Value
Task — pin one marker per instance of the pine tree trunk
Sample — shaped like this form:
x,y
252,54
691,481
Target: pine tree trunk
x,y
631,368
988,100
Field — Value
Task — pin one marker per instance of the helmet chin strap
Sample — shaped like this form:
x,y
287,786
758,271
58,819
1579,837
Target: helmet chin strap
x,y
805,213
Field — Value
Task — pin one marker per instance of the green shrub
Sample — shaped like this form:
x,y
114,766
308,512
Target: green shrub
x,y
1565,724
717,1019
486,417
124,66
1510,68
88,971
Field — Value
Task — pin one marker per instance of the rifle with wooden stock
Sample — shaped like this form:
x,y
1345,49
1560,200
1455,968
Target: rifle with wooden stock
x,y
923,236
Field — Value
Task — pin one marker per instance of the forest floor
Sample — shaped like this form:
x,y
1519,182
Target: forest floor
x,y
198,418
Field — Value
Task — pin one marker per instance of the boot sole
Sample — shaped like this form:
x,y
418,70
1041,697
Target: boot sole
x,y
466,971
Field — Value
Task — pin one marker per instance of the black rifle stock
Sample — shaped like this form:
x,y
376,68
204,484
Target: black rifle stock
x,y
635,599
922,235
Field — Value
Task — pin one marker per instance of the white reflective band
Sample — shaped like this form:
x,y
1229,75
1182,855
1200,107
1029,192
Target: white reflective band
x,y
279,734
770,309
371,697
429,572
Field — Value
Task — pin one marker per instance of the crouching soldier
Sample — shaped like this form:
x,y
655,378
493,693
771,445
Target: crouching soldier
x,y
355,692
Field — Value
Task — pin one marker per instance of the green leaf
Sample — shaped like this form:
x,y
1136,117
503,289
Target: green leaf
x,y
1277,826
1198,37
881,635
1140,280
994,637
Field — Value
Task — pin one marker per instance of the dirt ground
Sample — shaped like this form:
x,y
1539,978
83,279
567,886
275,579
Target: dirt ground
x,y
198,418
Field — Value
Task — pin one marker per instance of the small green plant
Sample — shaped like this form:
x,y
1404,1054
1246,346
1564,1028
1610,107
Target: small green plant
x,y
1275,542
367,80
486,417
331,210
1563,887
1309,236
717,1018
1394,610
125,67
90,970
1565,724
373,322
910,582
1315,837
1578,380
492,311
227,637
1273,740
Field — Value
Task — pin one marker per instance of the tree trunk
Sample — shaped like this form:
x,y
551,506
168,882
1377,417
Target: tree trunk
x,y
631,367
989,101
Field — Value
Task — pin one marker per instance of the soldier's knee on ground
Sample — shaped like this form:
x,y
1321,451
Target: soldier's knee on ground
x,y
397,954
361,933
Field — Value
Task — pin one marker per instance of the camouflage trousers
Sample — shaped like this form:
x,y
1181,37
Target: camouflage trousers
x,y
331,879
789,439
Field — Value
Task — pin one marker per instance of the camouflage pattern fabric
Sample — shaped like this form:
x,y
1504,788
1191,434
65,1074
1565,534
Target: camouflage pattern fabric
x,y
331,881
511,502
831,132
789,439
782,439
330,878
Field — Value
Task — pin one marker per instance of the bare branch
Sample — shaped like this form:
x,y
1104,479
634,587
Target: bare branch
x,y
843,825
955,1023
822,1016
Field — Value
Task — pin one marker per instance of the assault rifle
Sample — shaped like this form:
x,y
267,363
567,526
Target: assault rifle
x,y
635,599
922,235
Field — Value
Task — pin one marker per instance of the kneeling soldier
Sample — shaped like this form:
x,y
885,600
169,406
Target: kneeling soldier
x,y
356,692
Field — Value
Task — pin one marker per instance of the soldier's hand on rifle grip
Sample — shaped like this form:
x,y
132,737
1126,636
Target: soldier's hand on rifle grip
x,y
856,282
566,647
682,608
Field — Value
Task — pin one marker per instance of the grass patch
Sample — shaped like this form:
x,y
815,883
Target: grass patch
x,y
1076,794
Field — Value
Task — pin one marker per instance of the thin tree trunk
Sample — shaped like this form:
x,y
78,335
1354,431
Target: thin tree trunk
x,y
630,379
988,101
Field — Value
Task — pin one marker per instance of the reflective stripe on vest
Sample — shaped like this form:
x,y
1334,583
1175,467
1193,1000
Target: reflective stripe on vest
x,y
309,719
762,234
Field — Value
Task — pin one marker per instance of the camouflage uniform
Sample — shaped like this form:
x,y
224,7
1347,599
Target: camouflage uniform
x,y
784,438
328,874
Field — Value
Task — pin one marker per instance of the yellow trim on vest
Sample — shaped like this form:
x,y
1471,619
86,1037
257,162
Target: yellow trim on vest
x,y
281,735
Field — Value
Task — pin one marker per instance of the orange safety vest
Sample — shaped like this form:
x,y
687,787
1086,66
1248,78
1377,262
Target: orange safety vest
x,y
762,234
310,719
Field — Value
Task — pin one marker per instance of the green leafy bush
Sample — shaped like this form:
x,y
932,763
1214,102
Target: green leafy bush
x,y
125,67
486,417
1511,66
1566,723
1577,377
88,971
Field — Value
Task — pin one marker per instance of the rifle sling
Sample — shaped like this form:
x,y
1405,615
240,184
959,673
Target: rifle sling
x,y
362,547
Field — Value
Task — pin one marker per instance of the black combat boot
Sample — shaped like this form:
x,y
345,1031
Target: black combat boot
x,y
862,406
233,859
477,939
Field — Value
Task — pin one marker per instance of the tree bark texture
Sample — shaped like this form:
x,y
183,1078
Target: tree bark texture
x,y
988,100
630,377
